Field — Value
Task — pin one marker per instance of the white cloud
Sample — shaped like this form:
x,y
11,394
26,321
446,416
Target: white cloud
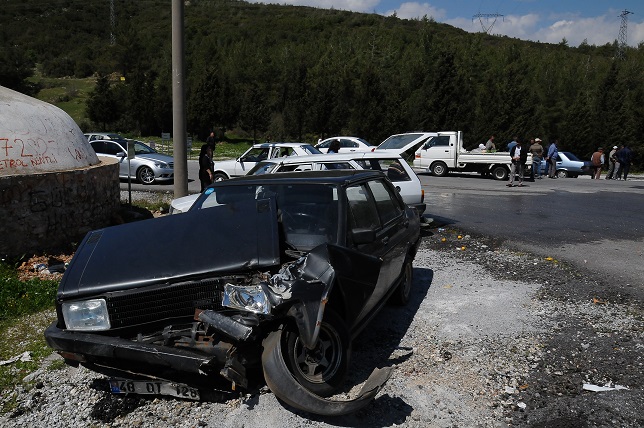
x,y
411,10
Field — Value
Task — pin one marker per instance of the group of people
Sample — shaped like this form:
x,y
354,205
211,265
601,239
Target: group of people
x,y
519,156
619,162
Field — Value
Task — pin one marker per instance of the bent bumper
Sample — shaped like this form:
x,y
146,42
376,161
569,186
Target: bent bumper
x,y
116,352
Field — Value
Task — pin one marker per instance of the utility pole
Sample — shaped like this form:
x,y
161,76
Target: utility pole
x,y
112,23
178,102
621,39
487,17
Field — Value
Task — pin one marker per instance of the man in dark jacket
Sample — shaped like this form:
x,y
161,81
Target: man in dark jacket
x,y
625,158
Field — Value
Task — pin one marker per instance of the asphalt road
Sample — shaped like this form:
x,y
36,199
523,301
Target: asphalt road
x,y
595,224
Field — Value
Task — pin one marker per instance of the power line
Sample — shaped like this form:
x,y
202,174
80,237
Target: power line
x,y
487,17
621,39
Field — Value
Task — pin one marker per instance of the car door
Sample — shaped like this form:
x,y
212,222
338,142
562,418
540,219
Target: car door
x,y
435,149
374,205
111,149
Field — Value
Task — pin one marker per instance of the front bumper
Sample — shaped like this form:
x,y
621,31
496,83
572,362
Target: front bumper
x,y
118,353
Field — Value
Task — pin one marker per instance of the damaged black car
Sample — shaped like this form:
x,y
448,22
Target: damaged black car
x,y
270,275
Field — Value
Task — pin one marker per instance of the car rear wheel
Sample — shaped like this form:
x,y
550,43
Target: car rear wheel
x,y
145,175
500,173
403,291
321,370
562,174
439,169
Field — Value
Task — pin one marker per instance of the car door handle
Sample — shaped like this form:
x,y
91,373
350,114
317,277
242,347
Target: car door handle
x,y
385,240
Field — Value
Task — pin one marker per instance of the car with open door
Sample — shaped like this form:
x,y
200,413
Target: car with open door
x,y
273,274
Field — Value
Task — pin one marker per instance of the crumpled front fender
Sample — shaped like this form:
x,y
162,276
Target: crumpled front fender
x,y
285,387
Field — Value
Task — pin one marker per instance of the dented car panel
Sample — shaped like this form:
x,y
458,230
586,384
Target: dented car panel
x,y
276,273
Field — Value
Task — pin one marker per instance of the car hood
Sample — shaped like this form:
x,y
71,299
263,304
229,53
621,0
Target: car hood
x,y
157,157
234,238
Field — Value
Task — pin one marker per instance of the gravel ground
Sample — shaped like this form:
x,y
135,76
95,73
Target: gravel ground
x,y
492,337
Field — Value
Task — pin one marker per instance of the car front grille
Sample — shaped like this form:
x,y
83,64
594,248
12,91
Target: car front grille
x,y
150,304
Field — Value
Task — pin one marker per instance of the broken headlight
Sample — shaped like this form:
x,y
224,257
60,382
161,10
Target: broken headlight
x,y
86,315
251,298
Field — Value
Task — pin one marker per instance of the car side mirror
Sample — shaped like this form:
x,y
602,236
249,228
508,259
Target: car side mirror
x,y
363,236
121,154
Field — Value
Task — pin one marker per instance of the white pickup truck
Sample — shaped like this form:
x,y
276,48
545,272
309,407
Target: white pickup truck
x,y
445,152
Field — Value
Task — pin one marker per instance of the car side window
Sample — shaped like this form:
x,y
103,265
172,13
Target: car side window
x,y
98,146
362,208
113,148
386,203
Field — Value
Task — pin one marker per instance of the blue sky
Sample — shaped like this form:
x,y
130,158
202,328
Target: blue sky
x,y
596,21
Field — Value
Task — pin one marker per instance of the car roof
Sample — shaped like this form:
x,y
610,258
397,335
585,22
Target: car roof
x,y
332,157
271,144
339,176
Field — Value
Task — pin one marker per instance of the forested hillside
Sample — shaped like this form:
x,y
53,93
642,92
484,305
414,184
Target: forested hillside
x,y
298,73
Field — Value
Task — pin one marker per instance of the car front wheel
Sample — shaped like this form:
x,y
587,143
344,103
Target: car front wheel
x,y
219,177
145,175
323,369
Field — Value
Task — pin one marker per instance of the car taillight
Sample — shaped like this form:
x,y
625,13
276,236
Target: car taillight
x,y
422,195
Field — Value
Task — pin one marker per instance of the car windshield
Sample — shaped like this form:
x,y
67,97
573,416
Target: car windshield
x,y
307,213
142,149
398,141
309,149
262,168
392,167
570,156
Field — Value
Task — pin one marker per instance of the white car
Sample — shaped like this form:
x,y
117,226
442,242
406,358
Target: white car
x,y
406,144
257,153
347,144
399,173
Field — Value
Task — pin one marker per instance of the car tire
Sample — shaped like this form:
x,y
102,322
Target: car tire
x,y
323,370
219,176
439,169
145,175
500,173
403,291
562,174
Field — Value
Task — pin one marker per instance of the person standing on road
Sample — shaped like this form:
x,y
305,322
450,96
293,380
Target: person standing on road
x,y
613,164
206,166
537,155
625,158
489,146
551,159
513,143
597,160
517,164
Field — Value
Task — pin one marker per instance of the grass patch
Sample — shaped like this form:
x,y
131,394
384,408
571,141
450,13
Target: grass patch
x,y
68,94
26,309
23,297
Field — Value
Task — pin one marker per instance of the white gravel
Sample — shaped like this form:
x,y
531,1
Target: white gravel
x,y
463,350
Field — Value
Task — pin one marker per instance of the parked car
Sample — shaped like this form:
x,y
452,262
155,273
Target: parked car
x,y
399,173
347,144
148,166
257,153
406,144
569,165
273,273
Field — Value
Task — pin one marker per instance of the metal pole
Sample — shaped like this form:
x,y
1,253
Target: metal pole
x,y
178,102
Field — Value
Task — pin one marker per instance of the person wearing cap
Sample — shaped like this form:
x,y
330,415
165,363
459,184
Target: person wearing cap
x,y
537,155
613,164
597,160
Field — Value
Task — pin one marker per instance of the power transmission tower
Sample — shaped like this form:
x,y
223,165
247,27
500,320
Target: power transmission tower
x,y
112,23
621,39
487,17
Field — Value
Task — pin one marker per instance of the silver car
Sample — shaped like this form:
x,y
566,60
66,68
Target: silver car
x,y
147,166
